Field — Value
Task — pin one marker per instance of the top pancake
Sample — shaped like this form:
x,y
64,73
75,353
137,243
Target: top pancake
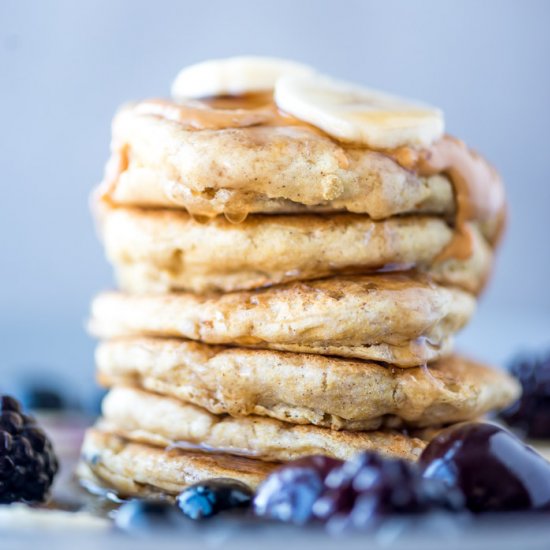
x,y
161,159
235,171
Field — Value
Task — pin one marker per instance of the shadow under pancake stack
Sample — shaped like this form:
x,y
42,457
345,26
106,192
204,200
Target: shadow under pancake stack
x,y
294,256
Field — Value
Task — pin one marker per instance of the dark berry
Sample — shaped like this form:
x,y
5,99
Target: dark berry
x,y
27,461
369,488
208,498
8,403
11,422
36,437
138,515
492,467
357,493
290,492
323,465
6,442
531,413
43,398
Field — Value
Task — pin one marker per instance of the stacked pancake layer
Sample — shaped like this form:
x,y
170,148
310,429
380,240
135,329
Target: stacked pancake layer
x,y
283,294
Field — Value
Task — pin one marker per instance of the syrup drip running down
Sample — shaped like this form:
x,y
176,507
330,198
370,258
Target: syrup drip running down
x,y
478,189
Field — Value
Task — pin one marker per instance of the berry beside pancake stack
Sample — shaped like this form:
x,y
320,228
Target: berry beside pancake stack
x,y
294,255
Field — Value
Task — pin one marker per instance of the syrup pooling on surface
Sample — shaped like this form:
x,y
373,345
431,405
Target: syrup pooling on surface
x,y
477,186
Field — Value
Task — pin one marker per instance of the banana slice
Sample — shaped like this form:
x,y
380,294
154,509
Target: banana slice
x,y
233,76
351,113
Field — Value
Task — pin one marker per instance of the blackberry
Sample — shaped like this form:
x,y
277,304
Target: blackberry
x,y
27,461
208,498
531,413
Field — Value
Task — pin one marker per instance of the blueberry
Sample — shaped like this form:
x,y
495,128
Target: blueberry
x,y
494,470
43,396
208,498
6,442
6,467
136,515
531,413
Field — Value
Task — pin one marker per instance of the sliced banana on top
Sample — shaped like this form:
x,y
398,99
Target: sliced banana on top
x,y
343,110
356,114
233,76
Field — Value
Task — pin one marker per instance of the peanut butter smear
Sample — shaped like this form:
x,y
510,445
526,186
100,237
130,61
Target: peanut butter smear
x,y
479,192
220,113
478,188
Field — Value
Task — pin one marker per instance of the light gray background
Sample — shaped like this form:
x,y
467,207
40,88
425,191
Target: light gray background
x,y
66,65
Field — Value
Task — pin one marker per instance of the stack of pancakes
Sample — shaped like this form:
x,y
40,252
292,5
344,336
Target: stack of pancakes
x,y
283,293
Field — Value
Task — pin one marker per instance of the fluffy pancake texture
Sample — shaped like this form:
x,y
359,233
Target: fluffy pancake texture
x,y
306,389
235,171
149,418
401,319
162,250
137,470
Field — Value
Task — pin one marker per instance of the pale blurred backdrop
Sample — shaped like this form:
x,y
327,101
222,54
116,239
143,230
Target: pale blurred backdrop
x,y
65,66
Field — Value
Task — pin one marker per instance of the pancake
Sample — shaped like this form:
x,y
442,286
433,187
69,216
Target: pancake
x,y
163,250
136,470
145,417
165,158
283,169
400,319
306,389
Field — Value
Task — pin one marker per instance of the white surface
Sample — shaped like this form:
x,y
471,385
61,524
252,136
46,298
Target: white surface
x,y
500,533
21,518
